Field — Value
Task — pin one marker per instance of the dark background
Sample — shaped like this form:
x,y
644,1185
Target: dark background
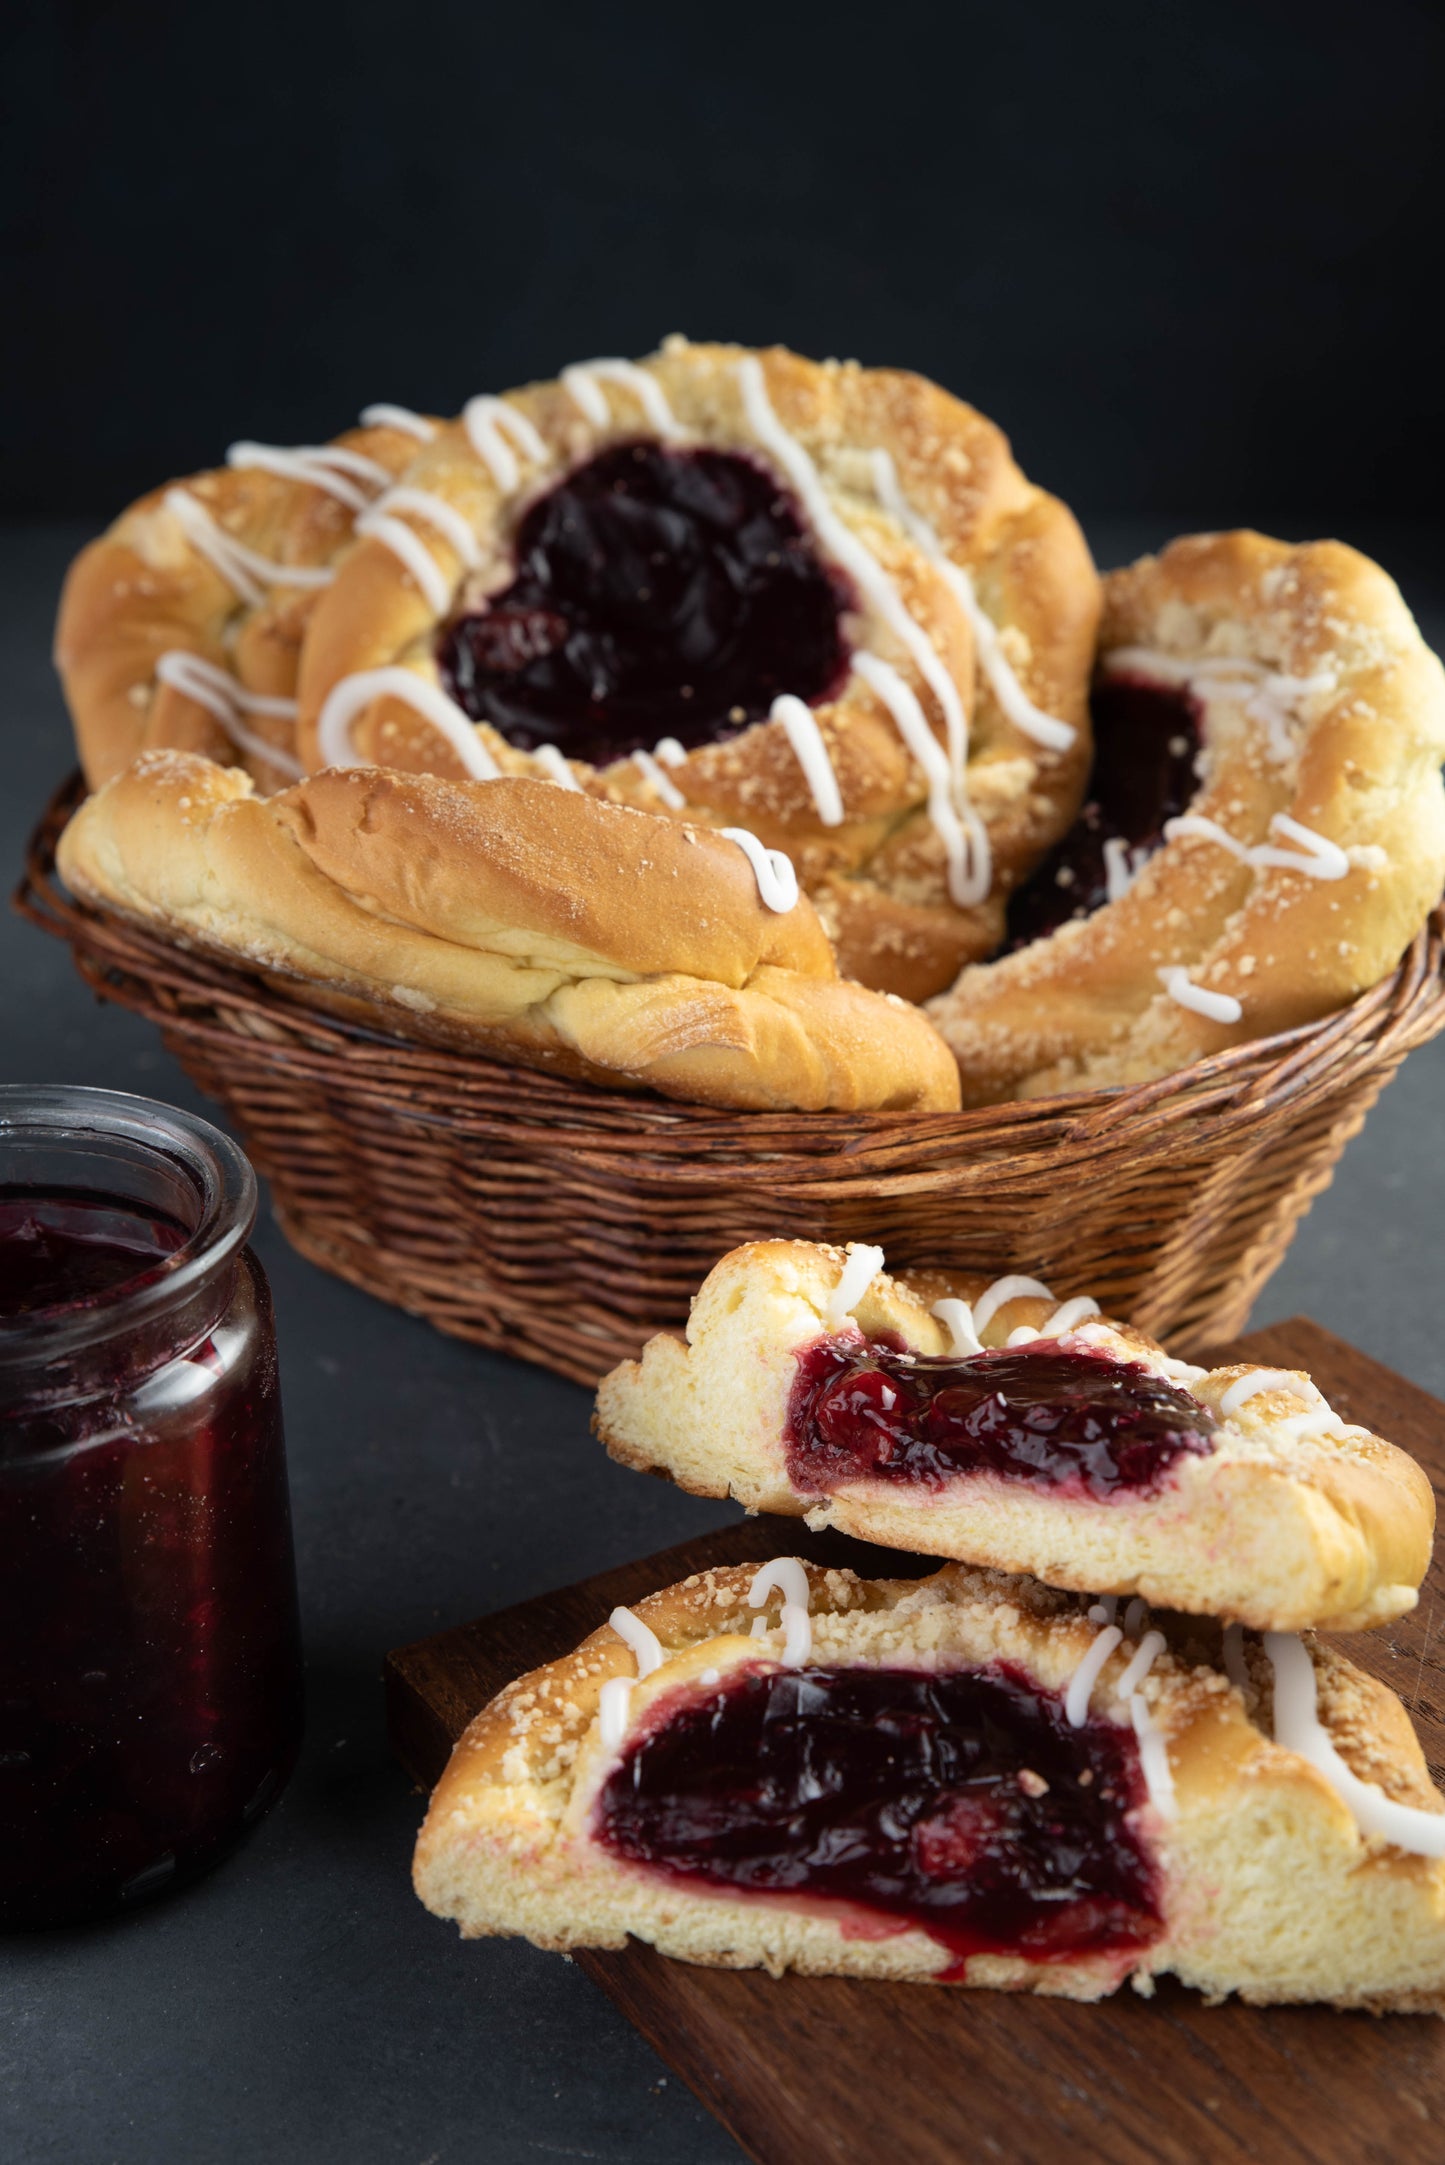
x,y
1186,256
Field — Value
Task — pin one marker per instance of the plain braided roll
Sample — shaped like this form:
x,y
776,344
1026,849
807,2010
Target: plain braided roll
x,y
532,923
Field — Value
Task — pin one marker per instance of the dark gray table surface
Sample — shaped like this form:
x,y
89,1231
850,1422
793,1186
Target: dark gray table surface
x,y
300,2004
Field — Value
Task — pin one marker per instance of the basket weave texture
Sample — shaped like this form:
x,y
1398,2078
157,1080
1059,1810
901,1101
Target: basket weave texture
x,y
565,1223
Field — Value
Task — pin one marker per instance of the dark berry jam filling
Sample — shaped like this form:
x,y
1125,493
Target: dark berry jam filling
x,y
1146,742
659,593
68,1247
961,1803
1058,1417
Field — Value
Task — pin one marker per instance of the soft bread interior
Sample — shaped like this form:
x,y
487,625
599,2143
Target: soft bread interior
x,y
1278,1530
1268,1887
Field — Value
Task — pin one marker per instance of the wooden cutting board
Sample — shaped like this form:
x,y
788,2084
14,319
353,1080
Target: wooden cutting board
x,y
805,2070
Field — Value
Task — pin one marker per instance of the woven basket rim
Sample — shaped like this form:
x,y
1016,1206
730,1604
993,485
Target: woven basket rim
x,y
1247,1081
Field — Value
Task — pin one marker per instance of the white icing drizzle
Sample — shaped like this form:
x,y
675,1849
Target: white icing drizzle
x,y
1086,1676
1104,1610
1068,1316
384,415
1134,1615
645,1644
1232,1652
669,751
1324,1422
1316,855
1044,728
773,871
382,524
214,686
1023,1336
585,393
786,1574
1151,1646
1003,1290
244,570
485,418
811,753
710,1676
1267,696
346,699
612,1708
759,1628
1153,1758
1319,1420
646,763
957,825
615,1698
1297,1726
552,762
1180,986
844,546
858,1273
227,699
1264,1379
797,1636
320,466
423,504
581,384
1179,1371
957,1319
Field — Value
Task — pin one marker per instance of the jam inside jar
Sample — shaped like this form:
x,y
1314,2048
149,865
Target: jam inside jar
x,y
150,1669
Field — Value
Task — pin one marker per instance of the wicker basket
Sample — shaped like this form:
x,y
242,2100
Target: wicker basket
x,y
566,1223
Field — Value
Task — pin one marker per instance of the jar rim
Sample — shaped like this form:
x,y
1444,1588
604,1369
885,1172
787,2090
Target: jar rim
x,y
215,1166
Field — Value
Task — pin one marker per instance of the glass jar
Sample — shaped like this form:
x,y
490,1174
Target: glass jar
x,y
150,1669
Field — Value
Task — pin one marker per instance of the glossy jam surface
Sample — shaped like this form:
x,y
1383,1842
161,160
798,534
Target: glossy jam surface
x,y
659,593
150,1685
1047,1414
1146,741
960,1803
64,1248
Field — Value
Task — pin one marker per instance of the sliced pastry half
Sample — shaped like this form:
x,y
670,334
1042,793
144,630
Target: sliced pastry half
x,y
963,1780
996,1426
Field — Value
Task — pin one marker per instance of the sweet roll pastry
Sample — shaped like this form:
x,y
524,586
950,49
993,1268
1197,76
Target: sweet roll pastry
x,y
1265,828
966,1780
816,602
537,924
997,1426
182,625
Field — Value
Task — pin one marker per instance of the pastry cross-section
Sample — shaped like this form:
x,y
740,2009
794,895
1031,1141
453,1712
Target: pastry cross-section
x,y
998,1426
966,1780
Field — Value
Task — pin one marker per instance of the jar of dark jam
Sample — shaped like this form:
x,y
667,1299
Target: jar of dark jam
x,y
150,1670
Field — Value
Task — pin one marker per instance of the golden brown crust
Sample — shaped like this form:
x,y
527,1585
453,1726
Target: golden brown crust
x,y
1282,1530
1354,757
144,589
535,923
507,1845
880,877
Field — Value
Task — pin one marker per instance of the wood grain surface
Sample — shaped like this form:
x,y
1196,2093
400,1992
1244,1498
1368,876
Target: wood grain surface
x,y
804,2070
